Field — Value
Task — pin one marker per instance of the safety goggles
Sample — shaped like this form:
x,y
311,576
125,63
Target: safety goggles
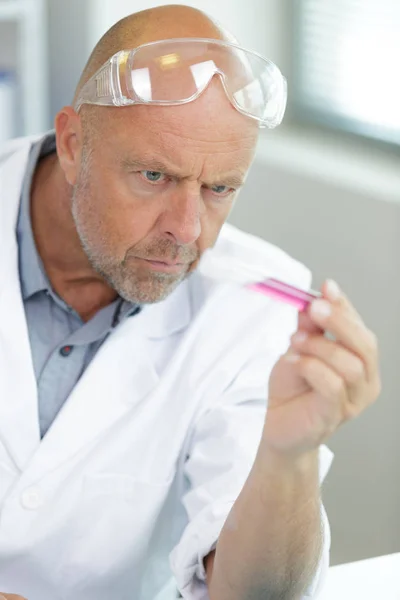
x,y
177,71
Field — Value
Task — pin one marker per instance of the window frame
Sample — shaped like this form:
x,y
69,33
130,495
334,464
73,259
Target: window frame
x,y
299,113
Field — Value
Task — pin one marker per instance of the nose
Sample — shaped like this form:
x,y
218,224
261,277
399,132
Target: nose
x,y
182,219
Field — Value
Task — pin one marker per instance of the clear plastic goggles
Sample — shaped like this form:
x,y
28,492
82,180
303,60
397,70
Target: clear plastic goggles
x,y
174,72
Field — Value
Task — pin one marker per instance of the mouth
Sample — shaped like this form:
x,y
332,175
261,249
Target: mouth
x,y
164,266
164,262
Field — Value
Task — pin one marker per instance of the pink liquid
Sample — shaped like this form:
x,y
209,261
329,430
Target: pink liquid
x,y
284,292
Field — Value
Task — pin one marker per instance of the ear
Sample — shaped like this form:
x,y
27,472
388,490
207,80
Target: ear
x,y
69,142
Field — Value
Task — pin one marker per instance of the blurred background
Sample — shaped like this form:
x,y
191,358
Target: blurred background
x,y
325,186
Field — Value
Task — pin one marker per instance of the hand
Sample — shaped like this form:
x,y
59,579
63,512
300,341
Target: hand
x,y
11,597
319,384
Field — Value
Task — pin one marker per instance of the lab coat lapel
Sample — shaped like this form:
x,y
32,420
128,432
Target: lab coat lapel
x,y
19,424
120,378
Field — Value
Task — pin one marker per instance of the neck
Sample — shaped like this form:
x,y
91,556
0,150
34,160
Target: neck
x,y
58,244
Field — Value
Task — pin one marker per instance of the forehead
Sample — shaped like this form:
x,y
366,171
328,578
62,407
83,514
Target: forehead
x,y
187,154
209,127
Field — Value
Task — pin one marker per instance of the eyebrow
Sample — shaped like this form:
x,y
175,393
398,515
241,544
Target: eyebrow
x,y
232,180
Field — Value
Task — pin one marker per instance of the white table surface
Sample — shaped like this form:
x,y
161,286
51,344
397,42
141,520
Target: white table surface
x,y
372,579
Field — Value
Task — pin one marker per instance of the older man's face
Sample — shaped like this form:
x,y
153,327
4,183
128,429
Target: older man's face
x,y
156,185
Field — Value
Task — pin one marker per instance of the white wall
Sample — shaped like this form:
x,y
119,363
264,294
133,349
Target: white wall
x,y
249,20
70,49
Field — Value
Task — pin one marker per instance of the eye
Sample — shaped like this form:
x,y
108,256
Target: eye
x,y
221,190
152,176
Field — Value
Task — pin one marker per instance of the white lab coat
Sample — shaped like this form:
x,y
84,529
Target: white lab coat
x,y
142,465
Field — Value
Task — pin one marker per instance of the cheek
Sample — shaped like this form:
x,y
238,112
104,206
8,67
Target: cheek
x,y
211,224
210,230
114,212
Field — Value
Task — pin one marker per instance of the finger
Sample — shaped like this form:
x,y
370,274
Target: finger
x,y
336,407
349,331
322,379
307,324
329,386
345,364
332,292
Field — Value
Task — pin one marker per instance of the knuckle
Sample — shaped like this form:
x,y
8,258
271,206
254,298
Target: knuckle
x,y
351,411
356,371
337,386
307,365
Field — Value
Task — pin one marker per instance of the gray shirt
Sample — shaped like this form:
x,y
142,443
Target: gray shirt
x,y
62,344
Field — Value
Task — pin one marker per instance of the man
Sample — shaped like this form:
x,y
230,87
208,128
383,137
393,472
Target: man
x,y
134,434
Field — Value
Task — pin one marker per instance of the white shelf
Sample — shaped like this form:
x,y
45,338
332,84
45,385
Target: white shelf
x,y
32,60
11,9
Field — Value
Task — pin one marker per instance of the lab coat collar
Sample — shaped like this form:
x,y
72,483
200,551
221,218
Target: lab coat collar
x,y
170,316
19,423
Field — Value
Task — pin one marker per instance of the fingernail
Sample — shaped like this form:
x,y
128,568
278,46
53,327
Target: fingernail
x,y
292,357
333,290
299,337
321,309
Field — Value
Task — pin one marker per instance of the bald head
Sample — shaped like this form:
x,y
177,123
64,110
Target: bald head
x,y
163,22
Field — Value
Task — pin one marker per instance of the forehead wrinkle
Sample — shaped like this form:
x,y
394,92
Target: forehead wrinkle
x,y
207,133
201,155
171,140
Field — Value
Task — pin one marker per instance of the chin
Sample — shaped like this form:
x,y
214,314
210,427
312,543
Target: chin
x,y
149,292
